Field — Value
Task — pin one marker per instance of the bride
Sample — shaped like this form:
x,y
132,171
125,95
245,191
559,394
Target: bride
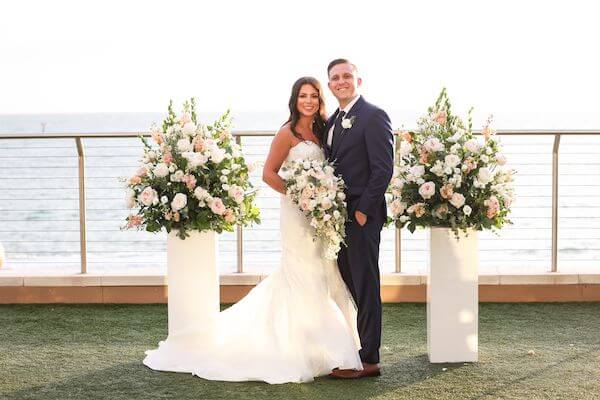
x,y
298,323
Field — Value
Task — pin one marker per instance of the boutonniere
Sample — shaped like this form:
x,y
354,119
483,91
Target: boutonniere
x,y
348,122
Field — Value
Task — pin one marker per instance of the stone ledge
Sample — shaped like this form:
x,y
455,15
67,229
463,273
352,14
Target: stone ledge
x,y
244,279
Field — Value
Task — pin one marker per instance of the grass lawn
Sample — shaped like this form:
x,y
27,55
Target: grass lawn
x,y
96,352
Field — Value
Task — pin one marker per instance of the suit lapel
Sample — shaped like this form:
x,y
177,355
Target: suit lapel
x,y
345,132
330,122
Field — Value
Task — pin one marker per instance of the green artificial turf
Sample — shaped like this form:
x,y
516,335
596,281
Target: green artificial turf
x,y
96,352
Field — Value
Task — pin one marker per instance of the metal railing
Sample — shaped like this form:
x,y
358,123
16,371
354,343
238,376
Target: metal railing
x,y
78,137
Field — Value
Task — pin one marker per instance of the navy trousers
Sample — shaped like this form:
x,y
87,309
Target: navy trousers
x,y
359,267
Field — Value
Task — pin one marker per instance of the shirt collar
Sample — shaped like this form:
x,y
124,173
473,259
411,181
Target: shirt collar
x,y
350,105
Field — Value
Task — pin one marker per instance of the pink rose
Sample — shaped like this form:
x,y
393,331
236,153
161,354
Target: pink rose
x,y
229,216
168,157
133,221
501,159
440,117
217,206
447,191
427,190
423,156
134,180
487,132
158,137
198,143
405,135
493,207
190,181
142,171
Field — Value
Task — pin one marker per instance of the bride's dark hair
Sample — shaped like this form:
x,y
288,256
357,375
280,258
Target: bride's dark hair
x,y
320,116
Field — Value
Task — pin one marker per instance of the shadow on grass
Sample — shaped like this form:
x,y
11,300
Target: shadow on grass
x,y
134,381
495,391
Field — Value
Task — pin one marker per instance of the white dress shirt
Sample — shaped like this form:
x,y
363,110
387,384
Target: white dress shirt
x,y
346,110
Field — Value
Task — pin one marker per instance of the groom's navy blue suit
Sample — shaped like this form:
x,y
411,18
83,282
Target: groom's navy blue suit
x,y
364,158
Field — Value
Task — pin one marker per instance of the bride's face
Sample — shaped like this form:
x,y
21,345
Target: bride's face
x,y
308,101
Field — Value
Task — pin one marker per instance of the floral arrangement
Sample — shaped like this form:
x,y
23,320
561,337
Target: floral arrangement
x,y
312,185
192,177
446,177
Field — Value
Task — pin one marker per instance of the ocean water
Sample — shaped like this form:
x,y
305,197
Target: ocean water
x,y
39,220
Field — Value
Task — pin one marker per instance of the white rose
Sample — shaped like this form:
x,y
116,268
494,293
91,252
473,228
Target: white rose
x,y
427,190
184,145
397,207
147,196
484,176
179,201
223,178
417,170
161,170
405,148
455,148
433,144
452,160
201,193
130,198
217,155
500,159
457,200
485,158
189,128
326,203
177,176
164,199
336,214
472,145
237,193
195,159
467,210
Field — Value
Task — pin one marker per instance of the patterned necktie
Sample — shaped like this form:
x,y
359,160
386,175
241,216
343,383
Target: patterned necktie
x,y
337,129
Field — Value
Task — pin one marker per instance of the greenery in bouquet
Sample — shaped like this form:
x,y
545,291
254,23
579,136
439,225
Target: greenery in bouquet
x,y
193,177
445,176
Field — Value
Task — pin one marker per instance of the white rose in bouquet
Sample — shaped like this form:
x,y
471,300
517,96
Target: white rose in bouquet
x,y
179,202
181,175
443,153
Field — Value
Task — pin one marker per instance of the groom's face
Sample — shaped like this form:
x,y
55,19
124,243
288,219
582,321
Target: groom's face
x,y
344,82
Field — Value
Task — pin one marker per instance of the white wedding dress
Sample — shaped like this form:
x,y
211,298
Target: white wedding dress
x,y
297,324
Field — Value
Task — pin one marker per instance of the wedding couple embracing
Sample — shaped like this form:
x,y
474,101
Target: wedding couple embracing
x,y
312,316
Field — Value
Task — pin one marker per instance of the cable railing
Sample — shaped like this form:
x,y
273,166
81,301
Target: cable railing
x,y
60,198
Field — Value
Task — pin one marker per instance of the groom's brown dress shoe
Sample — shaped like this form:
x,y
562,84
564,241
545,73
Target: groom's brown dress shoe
x,y
369,370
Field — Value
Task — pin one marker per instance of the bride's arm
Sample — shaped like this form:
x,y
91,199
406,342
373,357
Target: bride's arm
x,y
280,147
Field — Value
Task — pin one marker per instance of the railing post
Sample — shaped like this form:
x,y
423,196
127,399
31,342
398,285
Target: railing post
x,y
240,235
554,266
398,241
82,223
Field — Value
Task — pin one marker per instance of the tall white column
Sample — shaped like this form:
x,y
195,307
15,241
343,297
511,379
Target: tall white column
x,y
452,297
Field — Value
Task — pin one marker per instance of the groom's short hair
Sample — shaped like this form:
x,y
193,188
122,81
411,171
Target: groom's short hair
x,y
340,61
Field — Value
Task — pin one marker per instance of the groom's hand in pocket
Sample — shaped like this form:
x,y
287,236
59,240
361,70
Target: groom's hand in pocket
x,y
360,218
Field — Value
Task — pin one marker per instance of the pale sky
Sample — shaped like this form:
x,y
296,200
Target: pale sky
x,y
101,56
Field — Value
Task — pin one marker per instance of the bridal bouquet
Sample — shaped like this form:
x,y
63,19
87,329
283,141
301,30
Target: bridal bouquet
x,y
192,177
446,177
319,194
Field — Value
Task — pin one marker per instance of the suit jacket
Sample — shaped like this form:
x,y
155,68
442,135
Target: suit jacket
x,y
364,157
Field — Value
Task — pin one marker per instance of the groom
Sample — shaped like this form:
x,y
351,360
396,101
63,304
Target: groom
x,y
359,140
